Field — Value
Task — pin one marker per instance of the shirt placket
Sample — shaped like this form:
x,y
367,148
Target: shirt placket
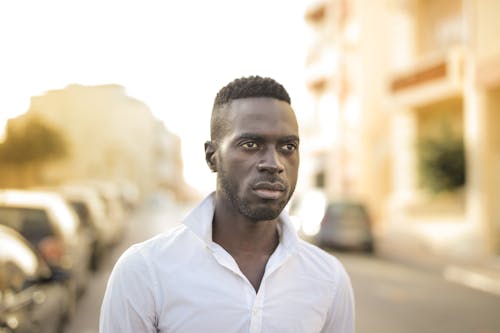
x,y
275,261
257,309
254,300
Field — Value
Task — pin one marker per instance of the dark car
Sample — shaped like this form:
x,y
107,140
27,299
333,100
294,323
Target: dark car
x,y
33,298
346,225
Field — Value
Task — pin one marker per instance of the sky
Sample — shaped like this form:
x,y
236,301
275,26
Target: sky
x,y
172,55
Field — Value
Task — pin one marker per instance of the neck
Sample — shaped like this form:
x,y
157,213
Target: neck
x,y
237,233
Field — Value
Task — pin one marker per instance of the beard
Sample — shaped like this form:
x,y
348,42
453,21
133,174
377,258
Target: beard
x,y
255,212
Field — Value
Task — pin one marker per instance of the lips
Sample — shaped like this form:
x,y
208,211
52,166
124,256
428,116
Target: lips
x,y
269,190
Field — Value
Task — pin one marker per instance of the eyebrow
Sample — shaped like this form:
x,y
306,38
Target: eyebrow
x,y
255,137
289,138
249,136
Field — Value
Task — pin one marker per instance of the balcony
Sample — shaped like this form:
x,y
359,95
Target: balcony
x,y
429,79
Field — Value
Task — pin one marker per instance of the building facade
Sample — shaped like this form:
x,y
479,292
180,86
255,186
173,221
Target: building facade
x,y
414,74
109,135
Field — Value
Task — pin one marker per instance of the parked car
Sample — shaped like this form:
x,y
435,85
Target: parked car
x,y
33,298
47,221
346,225
91,210
116,213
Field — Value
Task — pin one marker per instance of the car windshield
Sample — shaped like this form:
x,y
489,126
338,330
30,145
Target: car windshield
x,y
347,212
32,223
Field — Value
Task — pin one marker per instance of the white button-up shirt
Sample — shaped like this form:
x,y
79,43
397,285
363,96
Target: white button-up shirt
x,y
181,281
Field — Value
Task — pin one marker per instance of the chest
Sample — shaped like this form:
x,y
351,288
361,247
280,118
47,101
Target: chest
x,y
219,300
252,267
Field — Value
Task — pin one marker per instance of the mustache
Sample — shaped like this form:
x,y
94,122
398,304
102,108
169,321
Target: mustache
x,y
269,179
273,180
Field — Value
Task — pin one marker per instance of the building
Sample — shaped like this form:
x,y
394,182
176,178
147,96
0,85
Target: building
x,y
110,136
412,71
344,67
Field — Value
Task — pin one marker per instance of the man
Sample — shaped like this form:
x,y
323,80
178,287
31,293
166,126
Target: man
x,y
235,264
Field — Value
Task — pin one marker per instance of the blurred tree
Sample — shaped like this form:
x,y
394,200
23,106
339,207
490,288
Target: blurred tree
x,y
442,163
32,141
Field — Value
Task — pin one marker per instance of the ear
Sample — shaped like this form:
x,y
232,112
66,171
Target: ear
x,y
210,155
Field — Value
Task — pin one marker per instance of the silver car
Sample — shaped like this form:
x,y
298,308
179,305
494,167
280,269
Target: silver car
x,y
346,225
33,298
47,221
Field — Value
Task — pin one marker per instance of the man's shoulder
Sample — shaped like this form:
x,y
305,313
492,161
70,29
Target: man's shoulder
x,y
320,263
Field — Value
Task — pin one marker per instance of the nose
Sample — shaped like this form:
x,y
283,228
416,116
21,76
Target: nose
x,y
271,162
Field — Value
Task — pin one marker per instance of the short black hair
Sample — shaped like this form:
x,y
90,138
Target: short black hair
x,y
244,87
251,86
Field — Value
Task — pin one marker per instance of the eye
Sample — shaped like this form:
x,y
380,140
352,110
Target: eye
x,y
289,147
250,145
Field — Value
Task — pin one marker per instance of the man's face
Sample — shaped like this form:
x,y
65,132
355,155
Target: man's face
x,y
257,159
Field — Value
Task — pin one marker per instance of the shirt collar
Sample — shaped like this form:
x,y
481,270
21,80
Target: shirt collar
x,y
199,221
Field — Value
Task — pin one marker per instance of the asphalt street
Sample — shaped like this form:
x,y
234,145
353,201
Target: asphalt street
x,y
394,298
390,297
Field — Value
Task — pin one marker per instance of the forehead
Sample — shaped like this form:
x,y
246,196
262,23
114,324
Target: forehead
x,y
261,115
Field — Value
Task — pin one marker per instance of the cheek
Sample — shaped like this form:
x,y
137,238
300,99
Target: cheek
x,y
236,168
239,163
293,166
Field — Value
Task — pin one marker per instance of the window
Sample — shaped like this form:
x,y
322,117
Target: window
x,y
32,223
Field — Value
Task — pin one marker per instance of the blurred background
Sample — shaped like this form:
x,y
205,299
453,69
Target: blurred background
x,y
105,107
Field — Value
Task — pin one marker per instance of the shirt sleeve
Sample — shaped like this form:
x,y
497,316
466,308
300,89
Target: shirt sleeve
x,y
129,305
341,316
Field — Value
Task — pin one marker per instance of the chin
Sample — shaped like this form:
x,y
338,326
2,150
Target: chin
x,y
262,213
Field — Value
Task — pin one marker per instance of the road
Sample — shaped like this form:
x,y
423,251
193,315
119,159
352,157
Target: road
x,y
390,297
393,298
